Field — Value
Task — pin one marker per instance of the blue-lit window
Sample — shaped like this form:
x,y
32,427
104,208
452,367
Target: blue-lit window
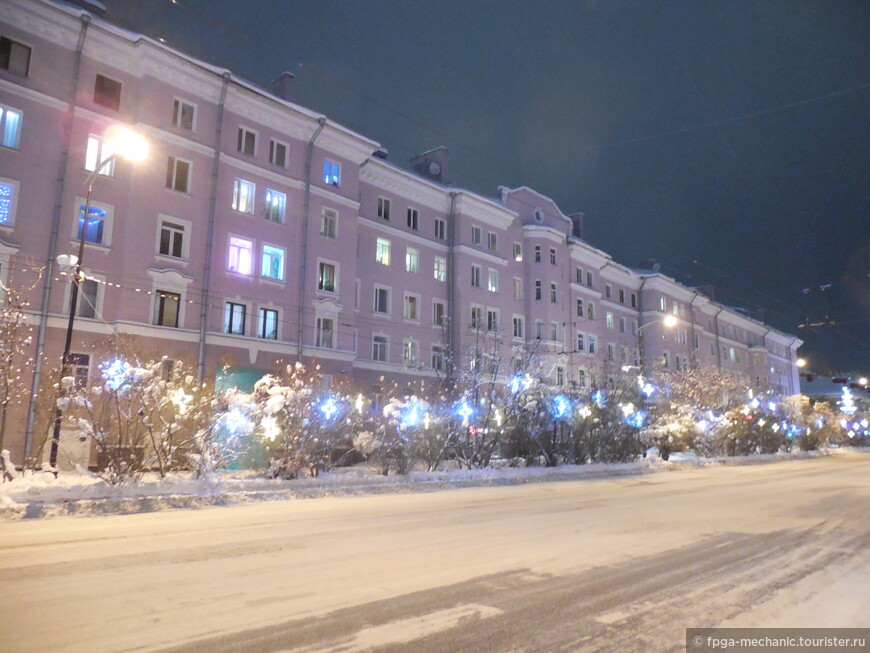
x,y
272,265
331,173
10,127
95,226
7,203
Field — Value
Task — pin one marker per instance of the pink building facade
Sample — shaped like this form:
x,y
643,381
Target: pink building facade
x,y
258,232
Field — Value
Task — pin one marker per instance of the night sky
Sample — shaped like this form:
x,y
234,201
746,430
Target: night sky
x,y
728,140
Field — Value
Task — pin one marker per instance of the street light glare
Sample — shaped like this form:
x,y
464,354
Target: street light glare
x,y
669,321
127,143
801,362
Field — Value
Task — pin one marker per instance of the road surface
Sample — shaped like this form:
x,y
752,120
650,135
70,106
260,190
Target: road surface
x,y
622,564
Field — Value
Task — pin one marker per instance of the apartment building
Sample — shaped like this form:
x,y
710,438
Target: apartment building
x,y
258,232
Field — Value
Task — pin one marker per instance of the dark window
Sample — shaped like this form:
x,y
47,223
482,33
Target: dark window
x,y
166,308
107,92
14,57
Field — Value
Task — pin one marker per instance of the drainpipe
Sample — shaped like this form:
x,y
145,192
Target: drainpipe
x,y
60,185
209,238
639,333
692,348
716,333
321,122
452,323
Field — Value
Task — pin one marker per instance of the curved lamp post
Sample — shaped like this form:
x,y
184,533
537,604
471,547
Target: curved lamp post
x,y
667,321
128,145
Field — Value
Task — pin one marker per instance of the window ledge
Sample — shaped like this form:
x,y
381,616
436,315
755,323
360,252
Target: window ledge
x,y
183,262
269,281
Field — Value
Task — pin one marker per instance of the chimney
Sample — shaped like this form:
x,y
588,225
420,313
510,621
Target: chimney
x,y
381,153
432,164
577,225
282,86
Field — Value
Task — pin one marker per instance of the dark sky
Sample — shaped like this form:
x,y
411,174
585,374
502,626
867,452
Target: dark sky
x,y
729,140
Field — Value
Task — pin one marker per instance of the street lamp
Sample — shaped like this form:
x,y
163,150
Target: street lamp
x,y
127,144
667,321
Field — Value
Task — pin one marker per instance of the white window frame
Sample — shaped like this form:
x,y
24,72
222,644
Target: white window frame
x,y
439,269
381,344
493,319
440,229
435,312
11,203
229,313
411,307
176,225
519,326
236,247
518,288
107,218
384,207
8,137
283,261
178,105
24,49
172,175
412,260
331,173
492,280
475,275
98,150
273,150
476,236
410,351
242,140
335,271
383,247
389,297
329,223
244,194
261,323
276,211
319,331
492,241
518,252
413,218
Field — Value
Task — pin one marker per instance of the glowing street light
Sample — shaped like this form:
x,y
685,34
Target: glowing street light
x,y
668,321
123,142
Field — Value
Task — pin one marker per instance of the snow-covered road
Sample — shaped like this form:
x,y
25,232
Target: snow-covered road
x,y
611,564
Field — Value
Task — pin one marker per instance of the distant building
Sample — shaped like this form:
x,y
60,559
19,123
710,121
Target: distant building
x,y
259,232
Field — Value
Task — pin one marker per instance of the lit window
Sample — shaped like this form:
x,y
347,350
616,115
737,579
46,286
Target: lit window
x,y
326,277
382,251
410,351
492,281
14,57
329,223
412,260
278,153
518,252
107,92
440,269
99,151
379,348
324,332
171,239
183,114
440,229
166,308
234,318
331,173
476,236
10,124
272,264
178,174
243,196
240,255
8,201
608,320
247,142
95,230
413,219
384,208
382,301
268,328
275,205
410,307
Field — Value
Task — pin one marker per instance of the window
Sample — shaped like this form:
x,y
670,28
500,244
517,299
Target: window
x,y
518,326
410,309
578,275
438,312
410,351
275,205
633,300
491,319
579,308
183,114
552,256
80,367
581,378
329,223
166,308
476,317
696,342
621,296
234,318
412,260
554,331
86,303
440,269
14,57
177,174
492,241
413,219
440,229
107,92
518,252
97,153
539,329
553,293
475,276
326,277
518,288
171,239
589,279
382,300
590,311
437,357
537,289
492,281
268,328
591,342
8,201
323,337
537,253
247,142
95,231
240,255
384,208
382,251
331,173
580,341
278,153
243,196
663,304
10,121
608,289
560,375
476,236
608,320
622,325
610,351
379,348
666,360
272,263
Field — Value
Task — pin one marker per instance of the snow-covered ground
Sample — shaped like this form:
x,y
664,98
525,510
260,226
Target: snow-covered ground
x,y
41,494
